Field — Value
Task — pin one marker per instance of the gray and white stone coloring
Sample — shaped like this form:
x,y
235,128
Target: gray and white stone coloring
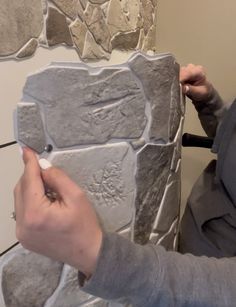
x,y
116,131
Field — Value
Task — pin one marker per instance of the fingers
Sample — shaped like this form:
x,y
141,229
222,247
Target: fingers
x,y
31,182
60,183
192,74
194,92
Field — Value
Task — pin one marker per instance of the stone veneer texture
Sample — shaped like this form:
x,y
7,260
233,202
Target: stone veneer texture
x,y
93,27
117,132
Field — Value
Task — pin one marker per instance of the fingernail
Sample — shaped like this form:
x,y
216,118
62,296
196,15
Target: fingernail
x,y
186,89
44,164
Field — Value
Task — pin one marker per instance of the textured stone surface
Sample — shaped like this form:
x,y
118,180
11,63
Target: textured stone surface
x,y
78,31
97,26
153,164
29,279
157,77
168,239
92,51
20,20
98,1
98,303
108,132
84,108
57,29
69,294
170,206
175,106
107,174
30,126
147,14
126,41
29,49
123,16
69,7
178,146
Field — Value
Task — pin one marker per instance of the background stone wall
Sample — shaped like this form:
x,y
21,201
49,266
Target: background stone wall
x,y
116,131
92,27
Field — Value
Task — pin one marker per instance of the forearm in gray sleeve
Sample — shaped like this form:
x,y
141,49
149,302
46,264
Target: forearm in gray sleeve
x,y
149,276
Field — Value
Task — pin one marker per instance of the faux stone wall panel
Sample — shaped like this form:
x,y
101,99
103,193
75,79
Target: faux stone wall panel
x,y
106,174
158,77
97,26
106,129
20,20
30,126
153,164
84,108
24,284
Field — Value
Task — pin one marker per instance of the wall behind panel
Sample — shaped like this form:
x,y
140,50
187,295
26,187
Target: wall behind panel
x,y
200,32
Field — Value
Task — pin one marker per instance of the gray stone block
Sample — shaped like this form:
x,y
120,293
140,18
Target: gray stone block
x,y
178,147
29,279
107,175
20,20
157,75
175,106
153,168
170,206
30,126
126,41
86,106
168,240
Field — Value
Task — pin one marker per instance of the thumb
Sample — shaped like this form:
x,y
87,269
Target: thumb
x,y
58,181
31,179
195,93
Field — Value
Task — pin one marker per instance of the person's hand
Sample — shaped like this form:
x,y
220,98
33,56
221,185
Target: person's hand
x,y
195,84
66,229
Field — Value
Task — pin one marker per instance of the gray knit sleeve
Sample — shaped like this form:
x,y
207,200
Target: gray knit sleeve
x,y
210,112
149,276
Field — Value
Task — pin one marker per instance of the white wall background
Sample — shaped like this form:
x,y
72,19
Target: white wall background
x,y
201,32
